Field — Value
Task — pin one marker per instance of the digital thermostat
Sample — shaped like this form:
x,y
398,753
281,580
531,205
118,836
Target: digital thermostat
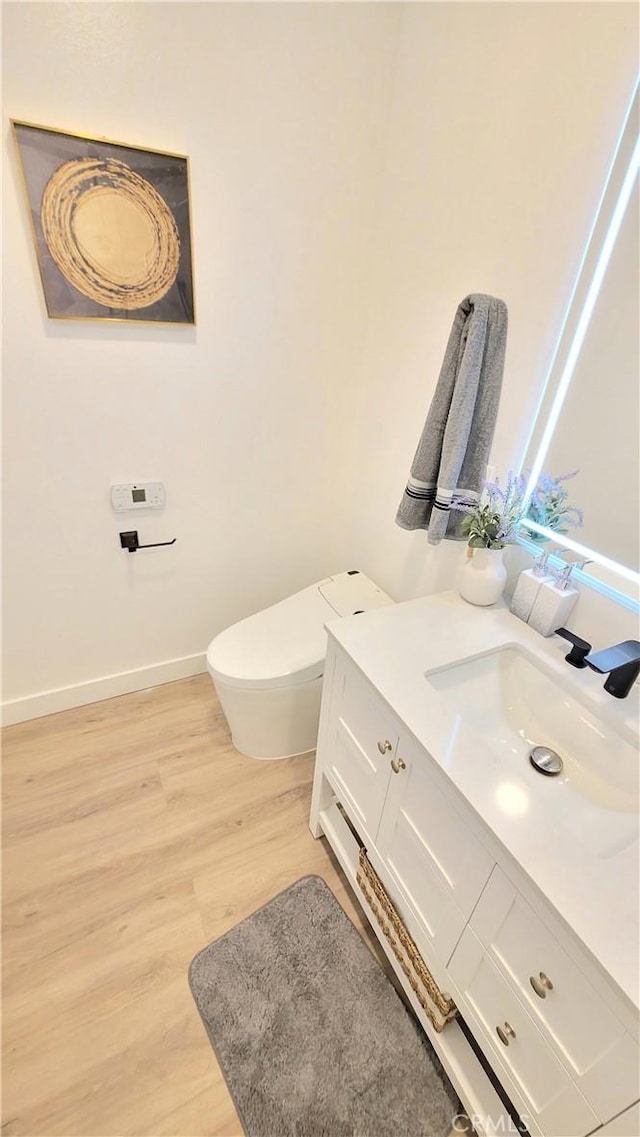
x,y
138,495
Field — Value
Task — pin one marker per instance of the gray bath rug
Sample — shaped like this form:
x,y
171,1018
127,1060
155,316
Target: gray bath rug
x,y
312,1038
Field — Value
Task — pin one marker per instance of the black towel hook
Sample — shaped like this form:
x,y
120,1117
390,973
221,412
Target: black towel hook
x,y
129,540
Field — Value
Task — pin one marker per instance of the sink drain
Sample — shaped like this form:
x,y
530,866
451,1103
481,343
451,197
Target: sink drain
x,y
546,761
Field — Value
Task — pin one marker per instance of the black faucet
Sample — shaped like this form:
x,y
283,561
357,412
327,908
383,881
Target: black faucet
x,y
579,651
621,663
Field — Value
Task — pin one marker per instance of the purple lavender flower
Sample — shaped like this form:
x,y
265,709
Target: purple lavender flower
x,y
494,524
549,504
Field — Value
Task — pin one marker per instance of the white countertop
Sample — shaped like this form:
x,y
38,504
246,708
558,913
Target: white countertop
x,y
582,858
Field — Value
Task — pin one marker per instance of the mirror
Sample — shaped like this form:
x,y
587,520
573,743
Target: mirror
x,y
589,415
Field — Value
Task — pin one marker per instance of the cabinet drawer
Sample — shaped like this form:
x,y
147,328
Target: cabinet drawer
x,y
362,742
576,1020
541,1087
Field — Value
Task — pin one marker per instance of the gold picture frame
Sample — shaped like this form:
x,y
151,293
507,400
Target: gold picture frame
x,y
111,225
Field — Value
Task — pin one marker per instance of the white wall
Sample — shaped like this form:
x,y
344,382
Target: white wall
x,y
281,109
356,170
504,121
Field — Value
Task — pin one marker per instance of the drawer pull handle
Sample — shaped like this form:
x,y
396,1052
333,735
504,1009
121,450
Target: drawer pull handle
x,y
398,766
506,1034
385,746
541,985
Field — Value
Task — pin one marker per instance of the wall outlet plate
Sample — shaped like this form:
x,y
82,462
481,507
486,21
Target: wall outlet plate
x,y
138,495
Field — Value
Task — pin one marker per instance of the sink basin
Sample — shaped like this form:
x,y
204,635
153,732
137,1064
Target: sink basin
x,y
510,699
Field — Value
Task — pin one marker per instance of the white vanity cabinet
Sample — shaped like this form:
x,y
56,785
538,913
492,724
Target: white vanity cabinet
x,y
558,1043
434,866
556,983
361,744
529,1069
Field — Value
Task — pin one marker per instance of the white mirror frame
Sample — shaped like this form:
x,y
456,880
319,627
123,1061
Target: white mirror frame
x,y
623,171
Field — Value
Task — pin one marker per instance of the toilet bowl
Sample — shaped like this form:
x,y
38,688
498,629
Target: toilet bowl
x,y
267,670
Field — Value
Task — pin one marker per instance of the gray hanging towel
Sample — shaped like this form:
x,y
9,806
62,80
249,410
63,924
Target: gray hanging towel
x,y
452,453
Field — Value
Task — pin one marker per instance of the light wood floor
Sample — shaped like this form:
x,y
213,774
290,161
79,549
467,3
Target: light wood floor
x,y
134,834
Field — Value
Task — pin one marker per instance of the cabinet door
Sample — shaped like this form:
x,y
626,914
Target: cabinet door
x,y
542,1090
430,853
362,740
576,1019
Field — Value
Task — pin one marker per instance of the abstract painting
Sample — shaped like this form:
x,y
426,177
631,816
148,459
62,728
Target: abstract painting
x,y
111,225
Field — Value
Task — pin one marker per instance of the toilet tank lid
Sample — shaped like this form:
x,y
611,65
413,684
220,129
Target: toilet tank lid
x,y
287,642
351,592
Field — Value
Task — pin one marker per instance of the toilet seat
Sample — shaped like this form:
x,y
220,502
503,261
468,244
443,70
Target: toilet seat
x,y
267,669
286,644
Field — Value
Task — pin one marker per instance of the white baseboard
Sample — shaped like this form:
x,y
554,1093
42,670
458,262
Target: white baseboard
x,y
64,698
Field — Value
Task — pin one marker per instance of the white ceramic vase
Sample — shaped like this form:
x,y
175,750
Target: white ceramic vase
x,y
482,577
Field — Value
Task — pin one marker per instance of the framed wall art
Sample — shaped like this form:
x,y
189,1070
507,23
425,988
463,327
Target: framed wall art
x,y
111,225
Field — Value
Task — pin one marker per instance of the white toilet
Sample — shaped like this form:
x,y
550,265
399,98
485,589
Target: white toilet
x,y
267,670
